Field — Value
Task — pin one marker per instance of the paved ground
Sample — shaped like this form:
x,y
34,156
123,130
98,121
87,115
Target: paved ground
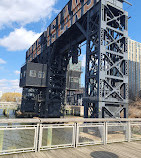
x,y
116,150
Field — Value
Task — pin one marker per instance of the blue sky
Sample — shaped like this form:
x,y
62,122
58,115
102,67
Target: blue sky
x,y
21,23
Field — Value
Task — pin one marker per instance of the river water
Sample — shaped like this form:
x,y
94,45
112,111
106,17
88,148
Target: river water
x,y
11,114
24,138
15,139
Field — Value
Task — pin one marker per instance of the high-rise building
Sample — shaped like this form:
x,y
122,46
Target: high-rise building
x,y
134,56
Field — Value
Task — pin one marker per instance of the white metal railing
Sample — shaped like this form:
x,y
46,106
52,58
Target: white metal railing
x,y
18,138
117,132
135,131
90,133
17,135
26,135
56,136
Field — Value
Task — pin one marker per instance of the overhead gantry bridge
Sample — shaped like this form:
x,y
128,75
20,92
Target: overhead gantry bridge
x,y
103,24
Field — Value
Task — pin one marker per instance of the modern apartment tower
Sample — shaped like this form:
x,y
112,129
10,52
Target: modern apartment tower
x,y
134,56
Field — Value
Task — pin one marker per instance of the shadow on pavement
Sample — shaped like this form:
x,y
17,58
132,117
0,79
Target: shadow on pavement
x,y
103,154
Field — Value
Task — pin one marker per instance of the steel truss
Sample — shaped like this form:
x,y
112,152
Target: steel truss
x,y
104,27
56,80
106,80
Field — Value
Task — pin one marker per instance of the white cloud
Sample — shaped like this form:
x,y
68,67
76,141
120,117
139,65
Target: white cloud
x,y
2,61
10,85
14,82
17,72
25,11
3,81
19,39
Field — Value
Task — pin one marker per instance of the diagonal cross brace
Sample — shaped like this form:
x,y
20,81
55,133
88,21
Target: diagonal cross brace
x,y
114,90
81,29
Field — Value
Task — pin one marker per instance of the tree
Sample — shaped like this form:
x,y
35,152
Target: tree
x,y
11,97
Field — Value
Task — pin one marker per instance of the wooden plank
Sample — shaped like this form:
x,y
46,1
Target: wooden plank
x,y
74,153
26,155
39,154
133,145
42,154
49,154
56,154
99,152
133,152
116,150
69,153
85,151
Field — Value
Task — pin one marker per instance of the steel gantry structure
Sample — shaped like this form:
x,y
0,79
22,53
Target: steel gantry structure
x,y
107,61
103,24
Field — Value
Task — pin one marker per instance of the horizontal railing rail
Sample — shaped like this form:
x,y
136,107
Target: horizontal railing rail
x,y
77,120
26,135
66,120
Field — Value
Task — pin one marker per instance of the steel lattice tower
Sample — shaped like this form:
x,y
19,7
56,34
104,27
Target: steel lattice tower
x,y
106,91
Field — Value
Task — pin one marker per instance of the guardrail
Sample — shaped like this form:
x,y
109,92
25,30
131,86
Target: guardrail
x,y
26,135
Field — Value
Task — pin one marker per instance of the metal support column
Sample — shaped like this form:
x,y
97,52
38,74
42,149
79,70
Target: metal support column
x,y
106,89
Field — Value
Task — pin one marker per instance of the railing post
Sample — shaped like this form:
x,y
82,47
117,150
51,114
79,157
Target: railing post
x,y
76,134
40,137
37,137
1,139
129,131
105,133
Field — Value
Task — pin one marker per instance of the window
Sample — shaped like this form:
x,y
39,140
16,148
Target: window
x,y
41,74
76,80
32,73
24,73
21,75
71,79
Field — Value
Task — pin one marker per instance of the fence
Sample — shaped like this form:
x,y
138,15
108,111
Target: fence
x,y
26,135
